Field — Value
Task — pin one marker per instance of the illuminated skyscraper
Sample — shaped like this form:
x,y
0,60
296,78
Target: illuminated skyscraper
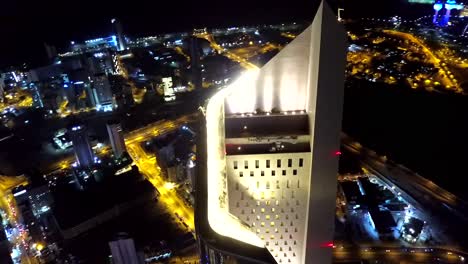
x,y
268,161
83,152
114,129
117,27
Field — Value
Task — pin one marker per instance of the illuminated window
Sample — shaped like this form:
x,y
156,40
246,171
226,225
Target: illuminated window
x,y
262,210
276,202
253,224
272,237
276,230
268,163
273,209
267,231
267,217
294,172
276,216
262,223
278,163
258,217
257,164
272,194
241,174
253,211
301,162
258,203
289,163
267,202
262,195
272,223
258,231
235,164
262,173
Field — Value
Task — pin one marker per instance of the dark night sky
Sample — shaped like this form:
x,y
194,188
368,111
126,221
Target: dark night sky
x,y
25,25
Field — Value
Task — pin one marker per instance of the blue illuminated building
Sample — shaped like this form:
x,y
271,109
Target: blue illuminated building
x,y
95,44
449,5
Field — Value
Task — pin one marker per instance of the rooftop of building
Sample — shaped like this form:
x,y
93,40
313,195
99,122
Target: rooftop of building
x,y
351,191
383,220
238,126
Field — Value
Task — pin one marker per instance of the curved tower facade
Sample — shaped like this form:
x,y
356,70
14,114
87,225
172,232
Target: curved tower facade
x,y
267,185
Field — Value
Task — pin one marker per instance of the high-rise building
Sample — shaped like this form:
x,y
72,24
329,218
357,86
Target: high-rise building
x,y
83,152
117,27
268,159
114,129
102,93
195,63
123,250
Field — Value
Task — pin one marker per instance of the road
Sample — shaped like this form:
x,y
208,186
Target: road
x,y
148,167
431,57
243,62
389,254
147,164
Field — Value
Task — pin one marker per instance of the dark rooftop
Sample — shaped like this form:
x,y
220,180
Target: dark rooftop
x,y
351,191
263,125
383,220
244,149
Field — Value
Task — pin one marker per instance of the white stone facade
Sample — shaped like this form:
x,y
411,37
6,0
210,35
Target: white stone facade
x,y
269,193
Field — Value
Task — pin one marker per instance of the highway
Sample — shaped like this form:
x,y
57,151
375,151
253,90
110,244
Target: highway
x,y
445,209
